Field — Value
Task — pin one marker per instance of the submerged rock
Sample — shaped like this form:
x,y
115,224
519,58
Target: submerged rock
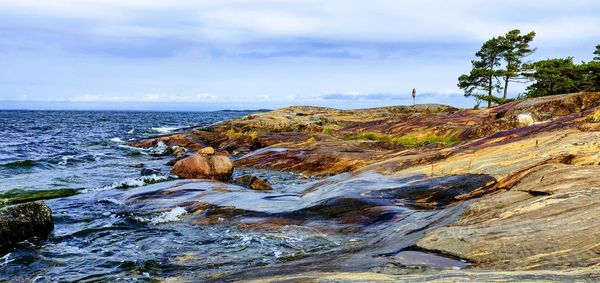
x,y
253,182
199,166
148,172
24,221
161,149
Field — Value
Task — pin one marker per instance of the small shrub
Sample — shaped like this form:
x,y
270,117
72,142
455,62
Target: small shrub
x,y
311,140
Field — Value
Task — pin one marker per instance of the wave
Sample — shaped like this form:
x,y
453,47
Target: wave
x,y
116,139
137,182
65,159
167,216
164,130
27,163
133,151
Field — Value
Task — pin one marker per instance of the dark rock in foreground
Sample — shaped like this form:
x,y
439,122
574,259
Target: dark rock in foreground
x,y
24,221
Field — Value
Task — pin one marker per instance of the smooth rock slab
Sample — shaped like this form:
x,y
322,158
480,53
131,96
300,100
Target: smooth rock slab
x,y
550,219
24,221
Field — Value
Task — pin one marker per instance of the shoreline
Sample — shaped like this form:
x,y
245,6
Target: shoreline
x,y
427,193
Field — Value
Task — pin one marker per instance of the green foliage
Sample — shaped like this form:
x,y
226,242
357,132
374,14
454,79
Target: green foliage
x,y
232,134
328,130
597,53
407,140
514,47
500,59
482,80
558,76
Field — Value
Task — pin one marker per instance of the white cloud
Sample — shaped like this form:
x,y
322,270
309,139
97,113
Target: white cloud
x,y
382,21
284,51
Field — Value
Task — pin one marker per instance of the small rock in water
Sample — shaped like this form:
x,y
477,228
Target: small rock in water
x,y
253,182
138,165
148,172
178,151
161,149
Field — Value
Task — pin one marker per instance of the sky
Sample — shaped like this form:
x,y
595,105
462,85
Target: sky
x,y
209,55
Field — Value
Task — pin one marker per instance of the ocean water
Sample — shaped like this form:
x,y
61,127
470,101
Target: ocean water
x,y
98,238
42,150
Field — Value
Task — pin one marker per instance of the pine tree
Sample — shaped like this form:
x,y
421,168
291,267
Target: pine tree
x,y
483,79
597,53
514,48
553,76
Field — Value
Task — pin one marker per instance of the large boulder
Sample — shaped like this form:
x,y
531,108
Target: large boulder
x,y
201,166
24,221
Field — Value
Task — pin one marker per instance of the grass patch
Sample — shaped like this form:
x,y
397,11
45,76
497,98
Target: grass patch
x,y
328,130
407,140
596,116
232,134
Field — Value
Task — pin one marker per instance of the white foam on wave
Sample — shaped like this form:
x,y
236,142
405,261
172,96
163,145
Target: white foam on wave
x,y
167,216
135,182
5,260
133,148
165,130
65,159
131,131
116,139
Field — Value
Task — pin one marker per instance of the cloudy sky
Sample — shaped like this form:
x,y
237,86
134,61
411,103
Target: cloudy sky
x,y
207,55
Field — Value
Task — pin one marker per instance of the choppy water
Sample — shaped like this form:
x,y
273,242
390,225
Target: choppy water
x,y
73,149
100,238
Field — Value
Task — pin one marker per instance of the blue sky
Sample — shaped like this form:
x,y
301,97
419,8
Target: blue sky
x,y
208,55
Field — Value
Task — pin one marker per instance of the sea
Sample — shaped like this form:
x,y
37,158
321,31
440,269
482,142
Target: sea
x,y
68,157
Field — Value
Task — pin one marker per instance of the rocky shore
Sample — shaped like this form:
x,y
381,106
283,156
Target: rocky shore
x,y
414,193
511,189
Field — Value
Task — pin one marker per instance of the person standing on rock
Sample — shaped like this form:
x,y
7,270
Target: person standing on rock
x,y
414,95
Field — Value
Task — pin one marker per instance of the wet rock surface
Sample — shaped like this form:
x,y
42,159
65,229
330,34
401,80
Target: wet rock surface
x,y
547,220
514,198
23,221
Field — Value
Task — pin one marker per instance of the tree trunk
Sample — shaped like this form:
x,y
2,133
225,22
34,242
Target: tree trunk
x,y
490,92
505,86
508,67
